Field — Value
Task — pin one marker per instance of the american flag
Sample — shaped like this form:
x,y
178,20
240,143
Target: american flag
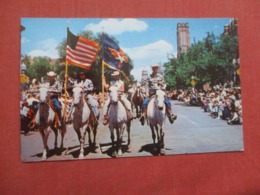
x,y
80,51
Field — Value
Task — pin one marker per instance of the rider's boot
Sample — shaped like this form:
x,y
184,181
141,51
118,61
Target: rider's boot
x,y
143,117
93,118
172,117
59,119
105,121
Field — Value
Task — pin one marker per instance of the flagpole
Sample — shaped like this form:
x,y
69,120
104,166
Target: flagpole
x,y
65,85
65,90
103,87
103,73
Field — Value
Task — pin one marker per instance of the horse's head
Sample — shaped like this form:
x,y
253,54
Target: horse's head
x,y
113,94
43,92
159,99
138,92
77,94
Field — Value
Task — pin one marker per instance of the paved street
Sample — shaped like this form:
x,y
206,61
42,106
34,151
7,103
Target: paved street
x,y
193,132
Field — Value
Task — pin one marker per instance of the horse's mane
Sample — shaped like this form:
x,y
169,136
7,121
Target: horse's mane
x,y
44,85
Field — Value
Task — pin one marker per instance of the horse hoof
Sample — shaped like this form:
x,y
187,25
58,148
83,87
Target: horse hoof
x,y
120,152
114,154
162,152
81,156
44,158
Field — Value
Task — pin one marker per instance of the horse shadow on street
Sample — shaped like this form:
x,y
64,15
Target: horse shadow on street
x,y
51,152
106,148
75,150
152,149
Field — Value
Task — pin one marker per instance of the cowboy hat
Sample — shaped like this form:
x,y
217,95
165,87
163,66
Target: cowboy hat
x,y
51,73
115,73
155,65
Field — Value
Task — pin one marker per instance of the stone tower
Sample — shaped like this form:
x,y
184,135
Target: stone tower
x,y
144,74
183,38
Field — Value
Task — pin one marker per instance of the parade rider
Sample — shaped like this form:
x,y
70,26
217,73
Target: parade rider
x,y
88,87
55,89
153,82
116,81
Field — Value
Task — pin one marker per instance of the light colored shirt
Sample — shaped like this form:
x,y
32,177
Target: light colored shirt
x,y
119,84
54,87
87,85
155,82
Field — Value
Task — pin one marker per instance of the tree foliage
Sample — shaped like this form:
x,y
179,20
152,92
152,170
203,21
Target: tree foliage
x,y
208,61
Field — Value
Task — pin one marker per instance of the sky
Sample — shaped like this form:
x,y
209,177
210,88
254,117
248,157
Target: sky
x,y
145,40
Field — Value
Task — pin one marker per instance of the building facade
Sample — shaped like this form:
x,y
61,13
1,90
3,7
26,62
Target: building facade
x,y
144,74
231,28
183,38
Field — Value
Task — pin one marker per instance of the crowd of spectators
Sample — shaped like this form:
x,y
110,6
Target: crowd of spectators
x,y
221,101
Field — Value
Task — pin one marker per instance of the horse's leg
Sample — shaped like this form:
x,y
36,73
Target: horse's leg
x,y
128,132
94,135
157,133
56,137
112,136
44,153
89,137
153,134
63,131
136,110
82,141
162,149
46,133
120,138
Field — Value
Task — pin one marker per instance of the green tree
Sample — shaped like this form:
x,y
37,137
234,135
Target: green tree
x,y
39,67
209,60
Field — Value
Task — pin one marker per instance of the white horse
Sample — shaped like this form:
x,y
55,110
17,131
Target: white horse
x,y
81,119
155,117
45,119
118,121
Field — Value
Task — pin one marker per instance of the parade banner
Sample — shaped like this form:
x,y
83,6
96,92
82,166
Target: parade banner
x,y
112,53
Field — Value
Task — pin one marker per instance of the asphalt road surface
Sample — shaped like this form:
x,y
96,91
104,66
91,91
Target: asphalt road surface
x,y
194,131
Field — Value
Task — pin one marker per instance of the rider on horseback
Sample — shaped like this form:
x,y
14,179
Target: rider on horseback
x,y
156,81
121,89
88,88
55,89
